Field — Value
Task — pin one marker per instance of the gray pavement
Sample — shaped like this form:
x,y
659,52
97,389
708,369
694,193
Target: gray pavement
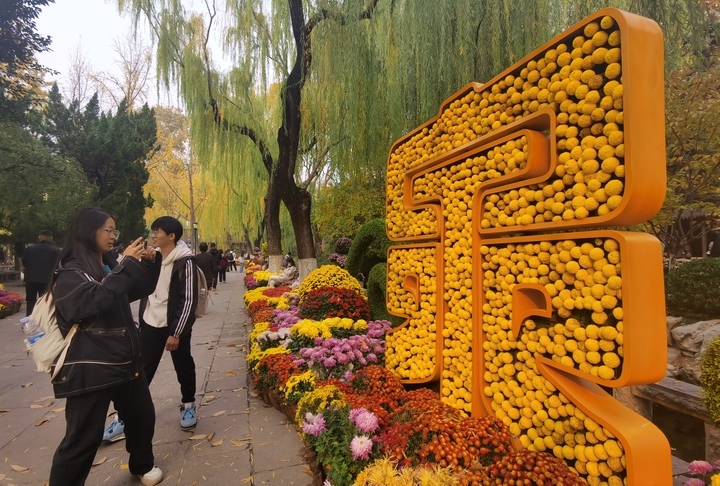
x,y
238,440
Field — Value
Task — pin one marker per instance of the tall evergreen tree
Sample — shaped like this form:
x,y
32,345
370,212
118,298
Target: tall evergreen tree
x,y
112,150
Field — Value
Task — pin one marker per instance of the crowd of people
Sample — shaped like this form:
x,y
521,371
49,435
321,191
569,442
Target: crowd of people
x,y
93,279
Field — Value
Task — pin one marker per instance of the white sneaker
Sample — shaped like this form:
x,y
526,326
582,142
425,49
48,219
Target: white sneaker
x,y
152,477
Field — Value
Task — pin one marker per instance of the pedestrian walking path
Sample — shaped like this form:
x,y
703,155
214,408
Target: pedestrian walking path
x,y
238,439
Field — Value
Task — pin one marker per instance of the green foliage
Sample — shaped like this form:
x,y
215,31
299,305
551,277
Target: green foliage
x,y
20,73
341,209
370,237
690,289
112,150
38,189
377,295
693,157
710,379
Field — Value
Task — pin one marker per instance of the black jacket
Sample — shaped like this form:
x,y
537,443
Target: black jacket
x,y
106,350
206,263
182,297
39,262
216,256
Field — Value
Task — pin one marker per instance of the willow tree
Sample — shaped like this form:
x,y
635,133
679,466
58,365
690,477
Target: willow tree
x,y
328,85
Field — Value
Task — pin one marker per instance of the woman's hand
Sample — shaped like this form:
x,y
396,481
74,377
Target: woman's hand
x,y
135,249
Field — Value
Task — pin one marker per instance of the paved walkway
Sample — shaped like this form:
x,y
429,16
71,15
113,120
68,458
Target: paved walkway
x,y
238,439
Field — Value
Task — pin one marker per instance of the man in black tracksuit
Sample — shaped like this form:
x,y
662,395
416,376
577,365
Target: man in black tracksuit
x,y
168,314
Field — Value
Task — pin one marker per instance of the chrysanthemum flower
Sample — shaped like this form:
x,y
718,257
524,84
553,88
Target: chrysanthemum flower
x,y
361,446
314,424
700,467
364,420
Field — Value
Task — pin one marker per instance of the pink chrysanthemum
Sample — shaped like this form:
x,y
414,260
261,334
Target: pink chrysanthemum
x,y
361,446
694,482
314,424
364,420
700,467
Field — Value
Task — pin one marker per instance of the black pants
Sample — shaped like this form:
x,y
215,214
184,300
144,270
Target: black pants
x,y
232,265
85,416
153,345
32,291
215,279
222,274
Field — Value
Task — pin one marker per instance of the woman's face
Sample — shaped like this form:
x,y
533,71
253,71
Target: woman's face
x,y
105,236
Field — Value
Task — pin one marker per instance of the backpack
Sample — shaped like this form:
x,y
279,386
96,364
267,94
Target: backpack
x,y
51,344
203,294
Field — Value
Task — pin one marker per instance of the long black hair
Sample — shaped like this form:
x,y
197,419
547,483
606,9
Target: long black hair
x,y
81,241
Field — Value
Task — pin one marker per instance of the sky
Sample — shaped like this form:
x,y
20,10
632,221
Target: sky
x,y
90,24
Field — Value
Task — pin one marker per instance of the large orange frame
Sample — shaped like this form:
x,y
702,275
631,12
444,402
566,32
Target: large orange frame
x,y
646,448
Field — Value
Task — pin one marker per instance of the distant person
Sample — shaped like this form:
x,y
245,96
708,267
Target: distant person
x,y
223,267
714,247
242,258
39,263
104,362
168,314
289,273
232,266
206,263
2,255
216,256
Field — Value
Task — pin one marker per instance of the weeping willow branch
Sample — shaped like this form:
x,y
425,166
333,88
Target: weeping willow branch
x,y
172,189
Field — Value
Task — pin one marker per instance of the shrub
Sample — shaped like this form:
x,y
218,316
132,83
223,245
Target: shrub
x,y
377,295
327,302
372,233
689,289
710,379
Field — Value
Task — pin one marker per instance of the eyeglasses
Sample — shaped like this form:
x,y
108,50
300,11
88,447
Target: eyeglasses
x,y
114,234
154,232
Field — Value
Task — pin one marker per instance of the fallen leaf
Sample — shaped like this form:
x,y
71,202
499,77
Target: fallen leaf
x,y
217,443
247,480
217,414
19,468
58,410
35,405
230,373
49,404
198,437
2,476
124,466
41,421
210,436
99,461
26,385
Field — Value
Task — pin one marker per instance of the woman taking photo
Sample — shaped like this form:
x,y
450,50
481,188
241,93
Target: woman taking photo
x,y
103,363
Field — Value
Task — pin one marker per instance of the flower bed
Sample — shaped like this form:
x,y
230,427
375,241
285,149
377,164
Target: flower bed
x,y
327,374
10,303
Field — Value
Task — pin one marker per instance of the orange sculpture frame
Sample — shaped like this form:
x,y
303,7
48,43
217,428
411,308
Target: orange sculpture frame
x,y
646,450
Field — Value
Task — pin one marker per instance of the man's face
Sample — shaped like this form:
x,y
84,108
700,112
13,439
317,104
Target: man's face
x,y
162,239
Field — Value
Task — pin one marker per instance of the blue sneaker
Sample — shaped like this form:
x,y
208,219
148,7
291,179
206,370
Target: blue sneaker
x,y
115,431
188,416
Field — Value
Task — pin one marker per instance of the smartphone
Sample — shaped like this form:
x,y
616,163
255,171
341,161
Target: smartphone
x,y
145,245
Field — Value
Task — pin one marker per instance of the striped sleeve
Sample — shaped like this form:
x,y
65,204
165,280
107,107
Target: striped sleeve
x,y
188,298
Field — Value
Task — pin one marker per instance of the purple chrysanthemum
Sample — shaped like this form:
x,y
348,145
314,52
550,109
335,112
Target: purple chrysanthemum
x,y
364,420
314,424
700,467
361,446
694,482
